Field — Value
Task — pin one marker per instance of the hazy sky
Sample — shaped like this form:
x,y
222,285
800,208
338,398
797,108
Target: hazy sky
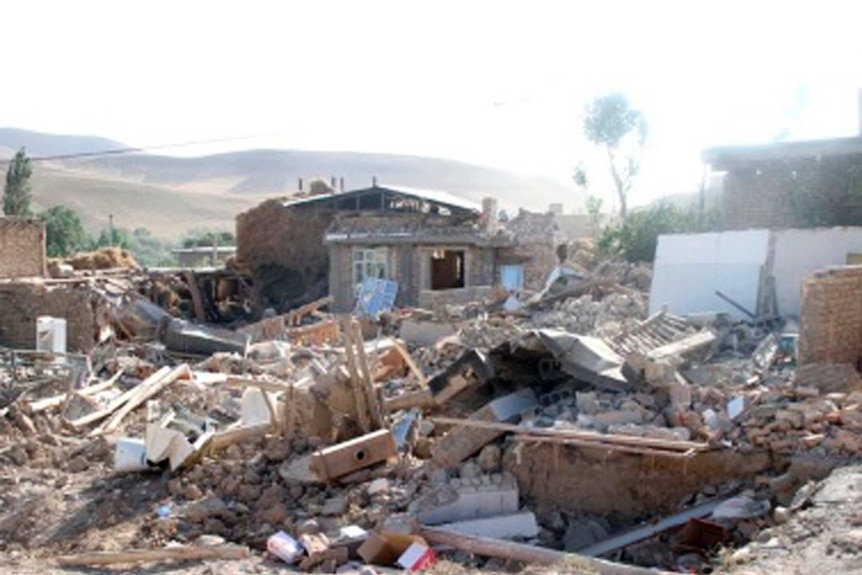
x,y
497,83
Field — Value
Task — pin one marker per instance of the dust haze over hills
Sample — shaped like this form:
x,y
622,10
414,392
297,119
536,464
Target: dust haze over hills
x,y
170,195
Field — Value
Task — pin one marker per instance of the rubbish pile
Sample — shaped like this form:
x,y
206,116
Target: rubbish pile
x,y
328,441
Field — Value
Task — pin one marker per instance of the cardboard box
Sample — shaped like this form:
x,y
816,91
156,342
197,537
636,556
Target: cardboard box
x,y
385,548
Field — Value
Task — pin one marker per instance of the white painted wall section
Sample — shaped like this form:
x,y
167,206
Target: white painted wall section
x,y
801,253
690,268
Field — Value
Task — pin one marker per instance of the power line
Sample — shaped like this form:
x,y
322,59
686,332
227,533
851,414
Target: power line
x,y
120,151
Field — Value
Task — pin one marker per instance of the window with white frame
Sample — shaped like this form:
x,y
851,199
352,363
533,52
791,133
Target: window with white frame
x,y
369,263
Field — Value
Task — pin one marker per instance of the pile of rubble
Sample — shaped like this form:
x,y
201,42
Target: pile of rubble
x,y
327,443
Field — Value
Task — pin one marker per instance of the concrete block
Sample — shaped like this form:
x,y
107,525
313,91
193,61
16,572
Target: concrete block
x,y
500,527
472,502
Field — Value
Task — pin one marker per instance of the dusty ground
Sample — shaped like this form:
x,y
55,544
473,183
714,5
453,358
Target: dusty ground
x,y
823,537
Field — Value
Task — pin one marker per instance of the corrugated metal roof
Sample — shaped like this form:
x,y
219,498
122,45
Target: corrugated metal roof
x,y
436,196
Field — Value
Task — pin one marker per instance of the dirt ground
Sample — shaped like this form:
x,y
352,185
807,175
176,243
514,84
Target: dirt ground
x,y
823,537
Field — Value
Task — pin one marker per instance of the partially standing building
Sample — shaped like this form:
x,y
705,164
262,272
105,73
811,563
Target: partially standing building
x,y
436,246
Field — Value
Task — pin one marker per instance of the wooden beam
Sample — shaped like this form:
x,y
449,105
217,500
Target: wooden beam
x,y
367,378
197,301
99,387
488,547
422,399
576,434
355,382
144,392
408,359
608,447
152,555
223,439
119,401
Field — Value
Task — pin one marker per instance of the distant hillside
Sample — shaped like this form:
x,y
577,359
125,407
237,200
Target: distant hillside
x,y
169,195
277,171
39,144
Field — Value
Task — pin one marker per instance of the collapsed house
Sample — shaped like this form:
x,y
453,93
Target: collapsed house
x,y
437,247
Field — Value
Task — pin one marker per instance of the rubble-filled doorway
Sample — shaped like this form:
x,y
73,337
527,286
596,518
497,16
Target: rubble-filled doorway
x,y
447,269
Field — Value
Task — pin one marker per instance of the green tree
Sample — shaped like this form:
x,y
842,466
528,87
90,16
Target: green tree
x,y
16,194
151,251
64,232
636,239
122,239
611,123
594,209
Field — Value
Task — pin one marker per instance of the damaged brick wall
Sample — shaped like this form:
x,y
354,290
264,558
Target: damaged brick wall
x,y
85,312
758,198
22,248
831,317
537,237
792,193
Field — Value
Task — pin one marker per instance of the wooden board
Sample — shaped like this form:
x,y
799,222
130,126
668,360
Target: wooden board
x,y
151,555
353,455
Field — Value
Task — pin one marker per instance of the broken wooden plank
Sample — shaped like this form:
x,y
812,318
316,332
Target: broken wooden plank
x,y
47,403
367,379
316,334
119,401
152,555
99,387
355,382
349,456
228,437
296,315
524,553
143,393
195,292
635,441
408,359
421,399
684,346
243,382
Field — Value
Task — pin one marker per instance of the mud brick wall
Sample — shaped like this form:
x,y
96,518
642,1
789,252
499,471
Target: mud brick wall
x,y
293,238
85,312
623,486
22,248
831,317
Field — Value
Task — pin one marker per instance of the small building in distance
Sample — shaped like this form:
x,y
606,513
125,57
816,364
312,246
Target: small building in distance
x,y
203,256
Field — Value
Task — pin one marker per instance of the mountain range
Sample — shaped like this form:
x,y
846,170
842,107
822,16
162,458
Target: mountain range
x,y
171,195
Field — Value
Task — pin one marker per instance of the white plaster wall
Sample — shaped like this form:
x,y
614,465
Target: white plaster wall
x,y
689,268
801,253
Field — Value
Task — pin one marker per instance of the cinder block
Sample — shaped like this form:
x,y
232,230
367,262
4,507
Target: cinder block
x,y
486,500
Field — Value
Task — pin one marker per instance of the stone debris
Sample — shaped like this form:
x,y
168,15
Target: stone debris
x,y
329,441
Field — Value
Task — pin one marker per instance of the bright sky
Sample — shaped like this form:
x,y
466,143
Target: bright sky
x,y
497,83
